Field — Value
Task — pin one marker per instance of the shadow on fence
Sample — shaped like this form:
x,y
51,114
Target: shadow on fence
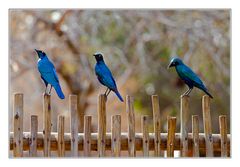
x,y
190,144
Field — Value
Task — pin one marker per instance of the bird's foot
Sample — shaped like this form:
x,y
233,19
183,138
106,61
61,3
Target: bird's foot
x,y
47,93
185,94
105,97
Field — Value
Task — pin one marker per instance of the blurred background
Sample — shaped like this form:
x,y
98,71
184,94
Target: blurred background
x,y
137,46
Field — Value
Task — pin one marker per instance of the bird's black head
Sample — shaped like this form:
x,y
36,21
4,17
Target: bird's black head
x,y
40,53
98,56
175,62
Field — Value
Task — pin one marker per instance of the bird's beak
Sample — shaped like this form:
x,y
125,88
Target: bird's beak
x,y
169,66
36,50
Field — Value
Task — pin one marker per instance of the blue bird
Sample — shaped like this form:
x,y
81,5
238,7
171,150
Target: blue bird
x,y
48,73
105,77
188,76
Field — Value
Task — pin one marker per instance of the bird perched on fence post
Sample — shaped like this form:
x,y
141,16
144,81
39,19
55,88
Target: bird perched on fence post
x,y
188,76
48,73
105,77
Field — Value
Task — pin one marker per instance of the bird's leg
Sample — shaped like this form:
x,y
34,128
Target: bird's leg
x,y
108,92
50,90
186,93
46,90
189,91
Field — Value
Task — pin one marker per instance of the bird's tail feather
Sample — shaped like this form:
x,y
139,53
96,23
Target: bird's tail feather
x,y
59,91
206,91
119,96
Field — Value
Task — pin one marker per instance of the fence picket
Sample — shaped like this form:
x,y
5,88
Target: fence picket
x,y
116,135
61,142
73,124
157,125
47,125
87,135
223,133
33,138
207,125
204,144
131,126
101,125
184,114
171,136
145,140
18,125
195,134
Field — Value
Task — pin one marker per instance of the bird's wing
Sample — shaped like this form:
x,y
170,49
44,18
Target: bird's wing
x,y
48,72
105,76
188,74
55,75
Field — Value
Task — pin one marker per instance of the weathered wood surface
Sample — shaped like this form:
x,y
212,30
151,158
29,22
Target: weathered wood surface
x,y
207,125
47,124
131,126
171,136
184,116
101,125
33,137
156,125
223,133
145,142
195,135
116,135
73,124
18,125
124,141
61,143
87,136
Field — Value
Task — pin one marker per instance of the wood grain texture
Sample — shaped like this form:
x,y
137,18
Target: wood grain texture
x,y
223,133
73,124
87,136
124,142
116,135
207,125
61,141
171,136
131,126
156,125
184,115
145,132
33,137
101,125
47,126
18,125
195,135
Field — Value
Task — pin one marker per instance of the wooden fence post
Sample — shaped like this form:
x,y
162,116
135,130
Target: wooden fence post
x,y
145,140
184,114
61,142
74,124
101,125
18,125
223,133
116,135
131,126
47,124
157,125
33,139
171,136
195,134
207,125
87,136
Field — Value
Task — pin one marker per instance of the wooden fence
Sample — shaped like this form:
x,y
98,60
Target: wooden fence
x,y
188,143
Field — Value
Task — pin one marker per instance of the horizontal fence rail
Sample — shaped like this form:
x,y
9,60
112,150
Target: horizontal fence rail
x,y
190,143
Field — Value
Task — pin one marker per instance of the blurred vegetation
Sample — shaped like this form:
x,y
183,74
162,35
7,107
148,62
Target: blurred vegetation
x,y
137,46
